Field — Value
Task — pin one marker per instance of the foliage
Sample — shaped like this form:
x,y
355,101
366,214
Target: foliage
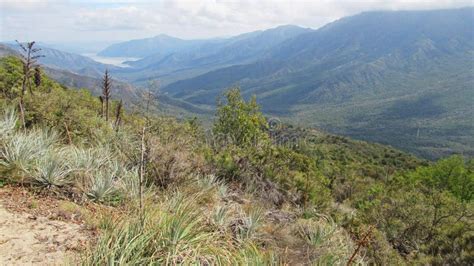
x,y
250,157
242,195
425,214
52,171
174,233
239,122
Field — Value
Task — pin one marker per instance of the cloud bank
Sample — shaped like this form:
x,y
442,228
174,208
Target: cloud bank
x,y
68,21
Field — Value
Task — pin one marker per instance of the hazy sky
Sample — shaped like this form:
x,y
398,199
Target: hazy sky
x,y
84,21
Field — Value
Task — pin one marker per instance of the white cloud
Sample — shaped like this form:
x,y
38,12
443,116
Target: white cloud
x,y
55,20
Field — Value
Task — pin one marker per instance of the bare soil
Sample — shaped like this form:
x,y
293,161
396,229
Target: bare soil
x,y
33,231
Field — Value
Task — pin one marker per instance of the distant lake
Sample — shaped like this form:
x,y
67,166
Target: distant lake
x,y
116,61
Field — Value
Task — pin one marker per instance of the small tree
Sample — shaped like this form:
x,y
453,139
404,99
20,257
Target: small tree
x,y
106,91
29,56
240,121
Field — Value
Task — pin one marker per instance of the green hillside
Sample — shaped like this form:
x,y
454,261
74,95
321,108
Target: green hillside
x,y
251,192
401,78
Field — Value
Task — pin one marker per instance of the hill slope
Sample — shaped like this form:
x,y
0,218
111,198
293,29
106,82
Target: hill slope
x,y
367,76
268,194
71,62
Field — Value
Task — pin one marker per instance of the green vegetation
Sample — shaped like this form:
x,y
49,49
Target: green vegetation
x,y
402,78
249,193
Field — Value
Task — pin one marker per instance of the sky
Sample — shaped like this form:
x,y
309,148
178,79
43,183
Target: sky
x,y
56,21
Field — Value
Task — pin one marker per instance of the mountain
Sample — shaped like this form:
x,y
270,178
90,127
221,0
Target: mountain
x,y
75,63
367,76
5,50
162,44
236,49
202,57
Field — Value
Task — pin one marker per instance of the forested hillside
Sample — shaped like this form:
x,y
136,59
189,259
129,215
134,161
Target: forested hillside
x,y
251,191
366,76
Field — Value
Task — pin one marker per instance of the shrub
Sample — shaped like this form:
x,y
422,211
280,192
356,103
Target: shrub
x,y
239,122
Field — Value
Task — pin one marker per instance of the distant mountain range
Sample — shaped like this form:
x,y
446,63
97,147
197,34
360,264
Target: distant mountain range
x,y
404,78
174,59
75,63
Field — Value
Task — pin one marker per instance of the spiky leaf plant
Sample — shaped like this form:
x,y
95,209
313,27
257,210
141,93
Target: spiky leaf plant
x,y
104,186
316,234
130,185
220,217
21,151
91,159
329,244
245,228
7,124
52,170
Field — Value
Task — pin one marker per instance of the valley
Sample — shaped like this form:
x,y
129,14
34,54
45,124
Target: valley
x,y
399,78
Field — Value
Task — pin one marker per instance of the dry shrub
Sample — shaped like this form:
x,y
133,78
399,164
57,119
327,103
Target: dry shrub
x,y
173,154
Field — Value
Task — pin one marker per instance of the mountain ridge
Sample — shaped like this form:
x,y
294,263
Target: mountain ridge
x,y
362,61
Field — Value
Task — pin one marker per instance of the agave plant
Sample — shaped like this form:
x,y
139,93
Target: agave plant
x,y
20,152
246,226
130,183
220,217
106,183
52,170
182,236
125,244
317,233
7,124
207,182
89,160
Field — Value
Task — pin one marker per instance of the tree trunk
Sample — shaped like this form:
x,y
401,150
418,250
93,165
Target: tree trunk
x,y
142,173
106,109
22,113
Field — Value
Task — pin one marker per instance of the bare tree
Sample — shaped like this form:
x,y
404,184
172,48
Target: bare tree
x,y
106,91
147,97
29,56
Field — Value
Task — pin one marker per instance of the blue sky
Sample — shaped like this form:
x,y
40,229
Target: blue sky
x,y
111,21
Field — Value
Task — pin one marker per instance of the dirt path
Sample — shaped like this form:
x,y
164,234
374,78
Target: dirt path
x,y
25,239
35,239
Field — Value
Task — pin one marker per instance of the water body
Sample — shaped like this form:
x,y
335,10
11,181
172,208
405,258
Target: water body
x,y
116,61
